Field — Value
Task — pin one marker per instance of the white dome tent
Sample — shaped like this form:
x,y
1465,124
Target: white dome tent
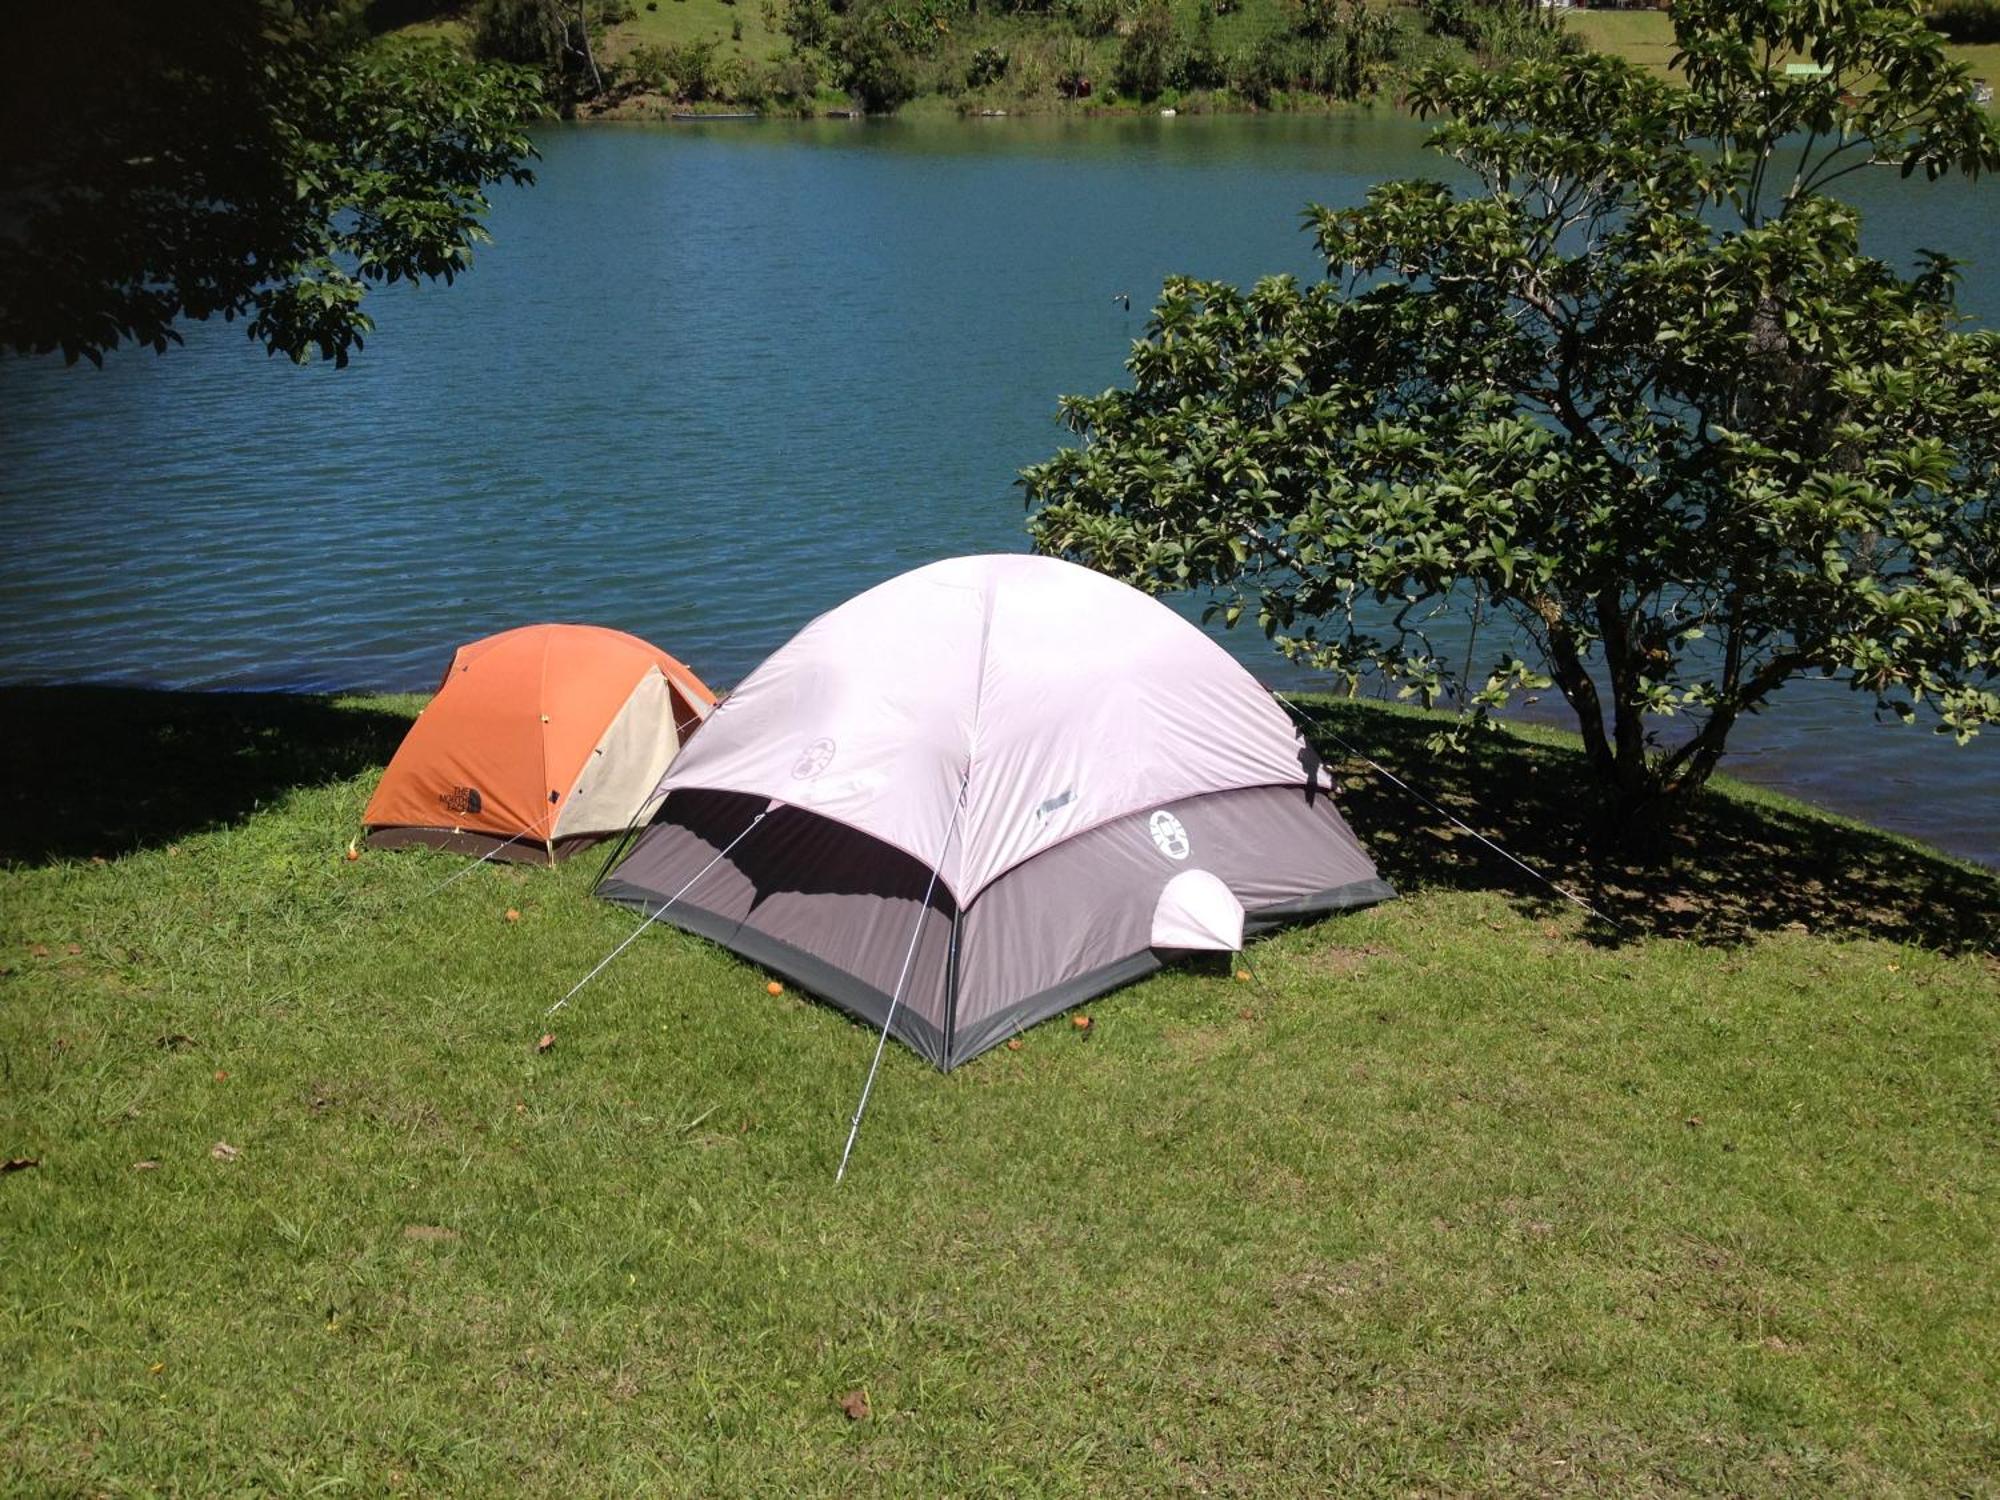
x,y
989,789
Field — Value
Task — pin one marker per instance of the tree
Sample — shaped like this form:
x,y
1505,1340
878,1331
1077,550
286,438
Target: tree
x,y
873,68
167,160
551,35
1149,53
1641,402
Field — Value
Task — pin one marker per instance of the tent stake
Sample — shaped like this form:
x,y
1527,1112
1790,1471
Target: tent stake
x,y
916,931
656,915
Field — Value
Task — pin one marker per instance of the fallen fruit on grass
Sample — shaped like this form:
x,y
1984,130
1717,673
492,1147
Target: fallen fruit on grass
x,y
774,988
1014,1044
223,1151
222,1075
1242,976
855,1404
353,850
513,914
1081,1023
548,1040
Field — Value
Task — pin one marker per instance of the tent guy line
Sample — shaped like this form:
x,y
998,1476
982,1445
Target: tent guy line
x,y
1381,770
496,849
656,914
916,931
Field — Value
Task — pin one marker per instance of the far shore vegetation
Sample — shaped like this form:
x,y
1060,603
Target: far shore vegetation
x,y
642,59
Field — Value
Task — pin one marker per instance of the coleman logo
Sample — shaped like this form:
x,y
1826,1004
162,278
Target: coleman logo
x,y
461,799
1169,836
813,759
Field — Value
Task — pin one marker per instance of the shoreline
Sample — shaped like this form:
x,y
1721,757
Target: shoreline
x,y
1527,730
657,109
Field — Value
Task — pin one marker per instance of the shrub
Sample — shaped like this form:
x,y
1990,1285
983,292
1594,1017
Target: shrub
x,y
875,70
1150,55
809,23
793,80
1263,71
1095,18
1502,32
682,70
1200,65
988,65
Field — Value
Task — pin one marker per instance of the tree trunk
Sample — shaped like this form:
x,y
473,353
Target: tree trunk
x,y
589,58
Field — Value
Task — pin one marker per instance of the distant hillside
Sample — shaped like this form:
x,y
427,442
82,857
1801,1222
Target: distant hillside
x,y
655,57
969,56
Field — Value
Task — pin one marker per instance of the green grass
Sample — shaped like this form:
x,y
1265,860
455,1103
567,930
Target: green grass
x,y
680,21
1462,1196
1646,37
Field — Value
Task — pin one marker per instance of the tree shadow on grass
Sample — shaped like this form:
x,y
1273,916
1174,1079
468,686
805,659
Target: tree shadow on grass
x,y
1744,863
105,771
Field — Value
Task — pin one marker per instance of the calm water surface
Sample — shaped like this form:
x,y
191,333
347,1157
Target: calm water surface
x,y
712,380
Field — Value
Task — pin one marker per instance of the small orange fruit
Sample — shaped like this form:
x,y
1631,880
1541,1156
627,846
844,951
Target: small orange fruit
x,y
774,988
353,851
221,1075
1081,1023
513,915
1242,976
1014,1044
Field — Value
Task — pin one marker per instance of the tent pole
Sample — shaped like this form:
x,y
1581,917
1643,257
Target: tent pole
x,y
657,913
916,931
655,801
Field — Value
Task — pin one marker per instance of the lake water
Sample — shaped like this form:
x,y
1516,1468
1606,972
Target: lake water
x,y
710,381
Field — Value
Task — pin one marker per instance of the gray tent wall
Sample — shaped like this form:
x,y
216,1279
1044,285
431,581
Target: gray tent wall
x,y
833,909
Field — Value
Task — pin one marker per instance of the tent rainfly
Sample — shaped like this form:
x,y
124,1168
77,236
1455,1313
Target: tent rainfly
x,y
1094,783
540,741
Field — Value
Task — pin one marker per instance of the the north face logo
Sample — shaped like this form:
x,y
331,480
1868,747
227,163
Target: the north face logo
x,y
461,799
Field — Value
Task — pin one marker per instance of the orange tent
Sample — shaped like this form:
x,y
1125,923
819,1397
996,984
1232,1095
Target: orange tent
x,y
540,740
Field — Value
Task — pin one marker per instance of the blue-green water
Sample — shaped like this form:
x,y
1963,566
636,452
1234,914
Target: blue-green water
x,y
711,380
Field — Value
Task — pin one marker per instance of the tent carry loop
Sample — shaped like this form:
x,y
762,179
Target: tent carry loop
x,y
916,930
1316,722
657,913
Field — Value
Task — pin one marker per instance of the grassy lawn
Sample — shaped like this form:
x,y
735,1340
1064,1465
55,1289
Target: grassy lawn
x,y
1463,1195
1646,37
677,21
